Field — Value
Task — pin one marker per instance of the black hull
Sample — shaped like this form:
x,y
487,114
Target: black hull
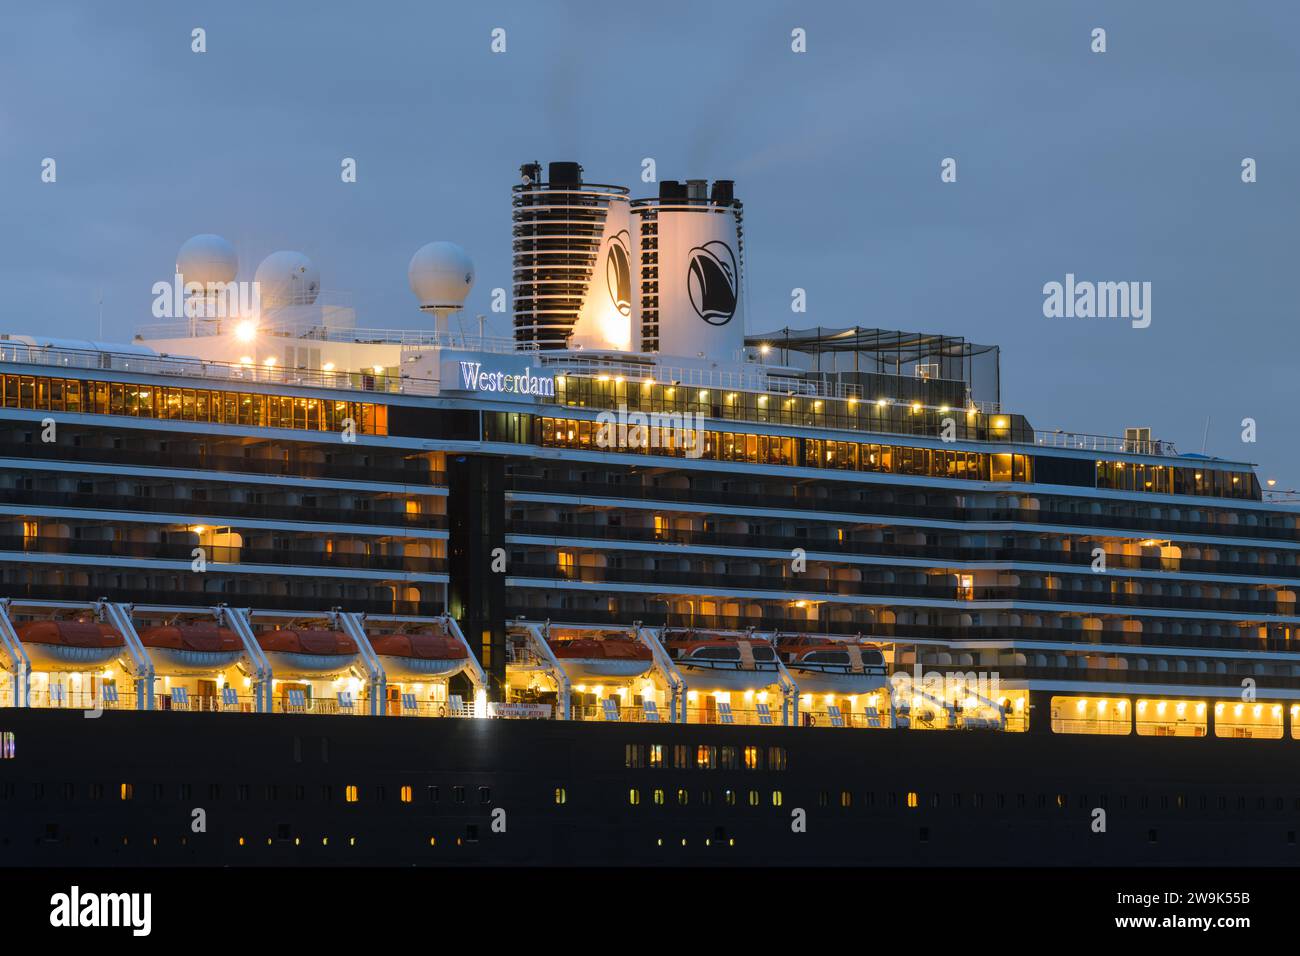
x,y
981,798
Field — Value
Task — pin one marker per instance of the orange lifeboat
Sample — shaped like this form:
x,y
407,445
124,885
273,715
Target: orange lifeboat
x,y
820,665
307,652
70,645
420,655
605,656
712,661
191,650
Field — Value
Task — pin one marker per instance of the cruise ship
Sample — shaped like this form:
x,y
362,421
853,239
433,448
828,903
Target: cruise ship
x,y
630,586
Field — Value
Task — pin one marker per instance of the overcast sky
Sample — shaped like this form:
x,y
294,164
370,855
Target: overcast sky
x,y
1118,166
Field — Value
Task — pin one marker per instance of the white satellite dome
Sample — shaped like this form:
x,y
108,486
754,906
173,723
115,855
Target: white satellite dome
x,y
441,275
287,278
207,258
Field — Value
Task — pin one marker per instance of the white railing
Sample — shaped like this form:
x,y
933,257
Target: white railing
x,y
1109,443
190,367
314,331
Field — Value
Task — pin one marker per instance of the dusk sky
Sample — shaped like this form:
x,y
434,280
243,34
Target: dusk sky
x,y
1115,166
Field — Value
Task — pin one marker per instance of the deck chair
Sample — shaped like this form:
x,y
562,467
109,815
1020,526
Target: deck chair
x,y
764,714
56,695
345,700
408,702
837,719
611,709
109,693
297,701
725,715
229,698
180,697
650,711
873,720
457,706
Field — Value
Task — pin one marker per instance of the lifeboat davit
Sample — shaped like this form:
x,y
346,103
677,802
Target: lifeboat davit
x,y
820,665
307,652
724,663
70,645
419,656
191,650
602,657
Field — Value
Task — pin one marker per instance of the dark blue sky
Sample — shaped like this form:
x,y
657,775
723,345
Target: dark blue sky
x,y
1119,166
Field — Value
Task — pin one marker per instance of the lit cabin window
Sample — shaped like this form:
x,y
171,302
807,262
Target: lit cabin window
x,y
1172,718
753,798
1260,720
846,798
913,800
656,755
777,798
127,791
659,797
706,757
1092,715
683,796
751,758
729,797
561,795
350,794
7,745
634,797
776,758
406,794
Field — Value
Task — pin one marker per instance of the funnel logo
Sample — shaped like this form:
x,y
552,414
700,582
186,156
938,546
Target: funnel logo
x,y
618,272
711,281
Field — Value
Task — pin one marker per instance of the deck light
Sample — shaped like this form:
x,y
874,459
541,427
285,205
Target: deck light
x,y
246,330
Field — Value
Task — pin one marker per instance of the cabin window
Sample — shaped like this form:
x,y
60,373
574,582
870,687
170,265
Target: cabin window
x,y
727,758
683,796
706,757
484,794
1091,715
776,798
351,794
405,794
753,758
753,798
776,758
634,756
7,745
561,795
634,797
656,755
659,797
127,791
680,756
1256,720
729,797
1172,718
913,800
846,798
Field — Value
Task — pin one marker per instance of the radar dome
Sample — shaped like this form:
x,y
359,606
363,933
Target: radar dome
x,y
441,275
206,259
287,278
